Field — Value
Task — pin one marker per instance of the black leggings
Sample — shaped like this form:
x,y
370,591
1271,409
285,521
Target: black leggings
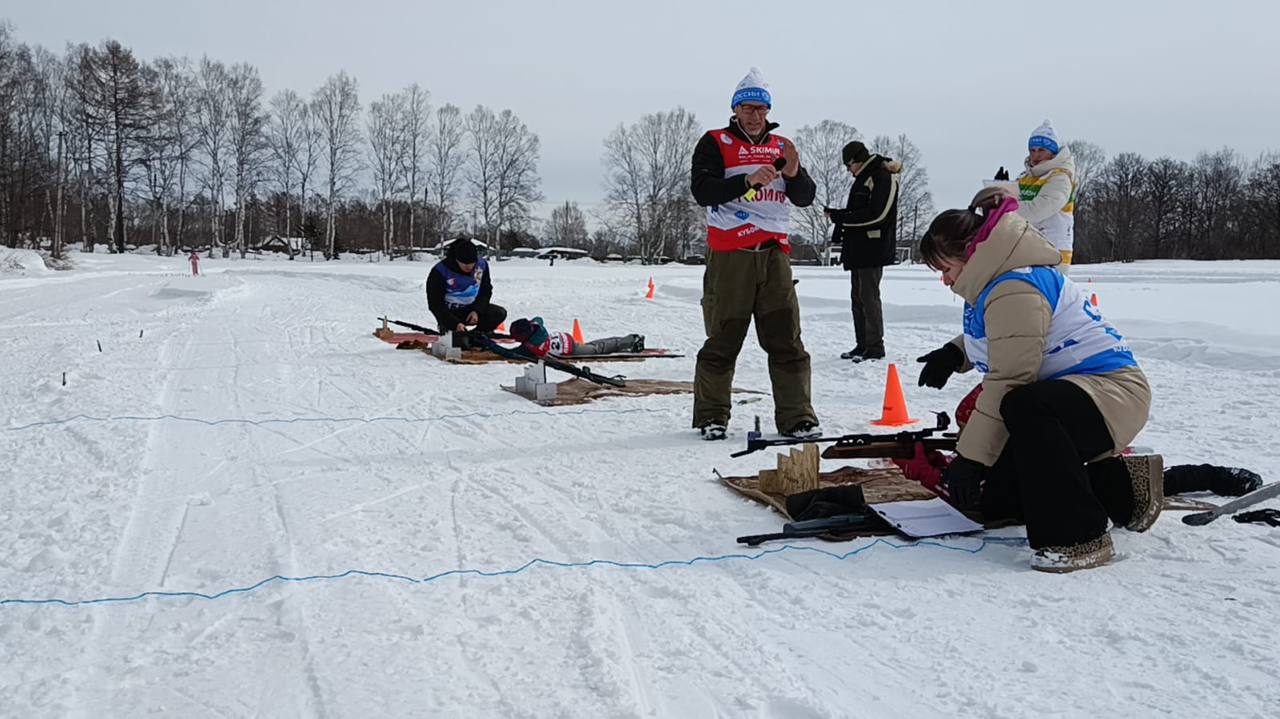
x,y
1041,477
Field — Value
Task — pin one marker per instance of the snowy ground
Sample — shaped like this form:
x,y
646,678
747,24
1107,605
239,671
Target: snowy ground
x,y
244,425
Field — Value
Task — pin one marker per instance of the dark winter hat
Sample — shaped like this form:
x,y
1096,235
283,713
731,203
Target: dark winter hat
x,y
521,330
855,152
463,251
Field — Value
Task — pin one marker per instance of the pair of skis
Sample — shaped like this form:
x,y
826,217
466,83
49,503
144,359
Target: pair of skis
x,y
1258,495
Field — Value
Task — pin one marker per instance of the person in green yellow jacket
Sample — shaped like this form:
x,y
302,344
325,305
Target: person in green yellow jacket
x,y
1047,190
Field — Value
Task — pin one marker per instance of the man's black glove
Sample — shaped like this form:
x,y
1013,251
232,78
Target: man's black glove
x,y
939,365
1002,174
963,481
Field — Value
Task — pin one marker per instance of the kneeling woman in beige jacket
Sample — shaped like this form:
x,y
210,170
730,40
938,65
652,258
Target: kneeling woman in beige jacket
x,y
1062,395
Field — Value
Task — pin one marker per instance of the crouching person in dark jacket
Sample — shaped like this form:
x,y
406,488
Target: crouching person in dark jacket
x,y
458,291
867,232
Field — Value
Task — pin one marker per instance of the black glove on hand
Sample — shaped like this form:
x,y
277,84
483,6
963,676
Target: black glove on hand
x,y
963,482
939,365
1002,174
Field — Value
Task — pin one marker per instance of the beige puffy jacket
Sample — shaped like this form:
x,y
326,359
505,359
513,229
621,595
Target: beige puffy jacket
x,y
1017,320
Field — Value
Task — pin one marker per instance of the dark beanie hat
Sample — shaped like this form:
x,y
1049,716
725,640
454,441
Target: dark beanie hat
x,y
463,251
521,330
855,152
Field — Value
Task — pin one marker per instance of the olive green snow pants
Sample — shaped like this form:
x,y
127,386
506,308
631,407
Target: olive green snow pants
x,y
736,287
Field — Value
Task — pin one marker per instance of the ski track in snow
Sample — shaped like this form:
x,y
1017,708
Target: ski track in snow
x,y
1184,618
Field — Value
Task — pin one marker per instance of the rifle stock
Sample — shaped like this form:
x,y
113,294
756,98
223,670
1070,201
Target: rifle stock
x,y
889,450
851,442
430,331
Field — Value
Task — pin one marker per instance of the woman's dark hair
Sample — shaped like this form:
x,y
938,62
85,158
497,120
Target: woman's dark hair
x,y
950,233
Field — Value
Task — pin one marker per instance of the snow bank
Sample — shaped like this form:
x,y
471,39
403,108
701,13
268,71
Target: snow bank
x,y
21,262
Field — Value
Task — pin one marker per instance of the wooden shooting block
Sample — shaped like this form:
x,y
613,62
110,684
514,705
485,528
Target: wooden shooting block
x,y
797,472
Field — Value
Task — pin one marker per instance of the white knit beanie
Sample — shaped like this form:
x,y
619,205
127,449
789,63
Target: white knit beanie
x,y
1044,136
753,88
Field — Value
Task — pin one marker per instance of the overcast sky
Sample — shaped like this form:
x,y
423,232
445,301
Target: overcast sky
x,y
967,82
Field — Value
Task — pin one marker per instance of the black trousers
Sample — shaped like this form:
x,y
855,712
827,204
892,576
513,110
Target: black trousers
x,y
490,317
868,313
1041,477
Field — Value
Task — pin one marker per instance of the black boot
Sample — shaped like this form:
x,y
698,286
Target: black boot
x,y
1222,481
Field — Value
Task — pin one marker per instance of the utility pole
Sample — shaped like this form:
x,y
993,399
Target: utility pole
x,y
57,220
915,221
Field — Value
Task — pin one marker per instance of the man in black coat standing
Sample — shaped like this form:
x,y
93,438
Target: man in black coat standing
x,y
867,232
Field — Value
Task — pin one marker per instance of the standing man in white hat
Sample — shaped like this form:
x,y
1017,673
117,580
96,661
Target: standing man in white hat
x,y
748,178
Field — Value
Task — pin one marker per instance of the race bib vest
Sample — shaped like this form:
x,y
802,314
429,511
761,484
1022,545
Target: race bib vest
x,y
462,290
557,344
1079,340
745,223
1059,228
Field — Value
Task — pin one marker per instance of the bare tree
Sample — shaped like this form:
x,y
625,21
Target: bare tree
x,y
1217,180
119,96
1089,159
54,114
518,181
336,106
646,180
416,128
286,136
21,111
447,156
567,227
1119,192
482,166
309,154
502,169
1164,191
83,142
821,149
1262,215
248,140
170,148
213,140
915,201
387,159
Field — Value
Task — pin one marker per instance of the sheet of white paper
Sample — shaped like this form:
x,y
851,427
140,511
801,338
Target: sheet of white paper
x,y
929,518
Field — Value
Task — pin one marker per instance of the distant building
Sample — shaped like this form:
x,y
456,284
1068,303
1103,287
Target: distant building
x,y
443,246
563,253
286,245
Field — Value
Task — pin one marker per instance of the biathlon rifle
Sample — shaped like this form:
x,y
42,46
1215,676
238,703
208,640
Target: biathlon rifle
x,y
848,446
432,331
839,524
487,342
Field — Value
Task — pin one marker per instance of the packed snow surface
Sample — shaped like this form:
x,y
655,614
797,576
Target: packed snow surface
x,y
244,504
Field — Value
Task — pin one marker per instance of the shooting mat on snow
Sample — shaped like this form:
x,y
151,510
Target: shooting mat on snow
x,y
580,391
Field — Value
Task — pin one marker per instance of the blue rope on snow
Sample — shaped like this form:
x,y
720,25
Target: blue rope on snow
x,y
293,420
1006,541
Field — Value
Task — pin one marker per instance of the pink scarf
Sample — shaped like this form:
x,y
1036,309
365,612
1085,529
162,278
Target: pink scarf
x,y
1010,204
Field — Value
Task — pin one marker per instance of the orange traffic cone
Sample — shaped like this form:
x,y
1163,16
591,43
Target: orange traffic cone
x,y
577,332
502,326
1093,296
649,296
895,404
